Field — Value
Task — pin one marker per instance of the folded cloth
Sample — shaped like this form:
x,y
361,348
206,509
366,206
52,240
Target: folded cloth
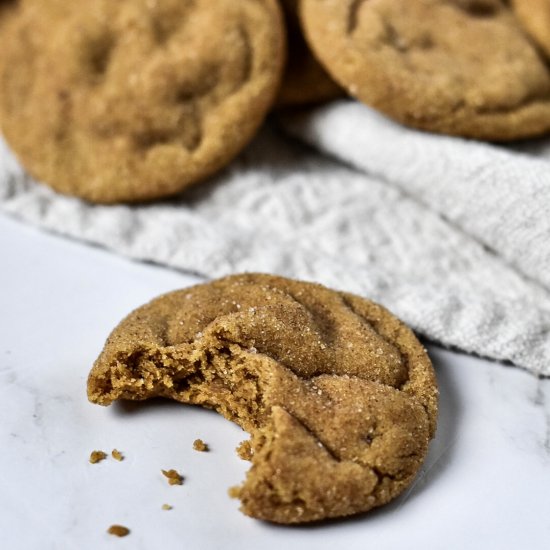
x,y
451,235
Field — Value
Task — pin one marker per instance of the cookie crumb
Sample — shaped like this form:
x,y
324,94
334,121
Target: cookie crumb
x,y
166,507
97,456
200,445
117,455
118,530
174,478
244,450
234,492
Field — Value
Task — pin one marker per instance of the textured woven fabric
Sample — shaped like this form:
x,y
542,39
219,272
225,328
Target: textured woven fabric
x,y
451,235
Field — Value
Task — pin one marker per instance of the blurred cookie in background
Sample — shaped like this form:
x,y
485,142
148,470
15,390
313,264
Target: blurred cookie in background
x,y
459,67
305,81
135,100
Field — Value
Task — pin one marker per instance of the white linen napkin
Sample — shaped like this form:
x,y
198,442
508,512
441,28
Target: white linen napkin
x,y
452,235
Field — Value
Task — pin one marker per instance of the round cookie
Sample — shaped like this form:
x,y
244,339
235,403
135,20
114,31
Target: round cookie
x,y
338,395
534,15
305,81
461,67
135,100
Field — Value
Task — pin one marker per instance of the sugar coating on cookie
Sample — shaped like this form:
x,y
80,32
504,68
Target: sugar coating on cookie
x,y
135,100
338,395
462,67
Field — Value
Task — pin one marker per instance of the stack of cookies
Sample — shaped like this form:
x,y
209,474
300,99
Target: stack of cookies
x,y
137,100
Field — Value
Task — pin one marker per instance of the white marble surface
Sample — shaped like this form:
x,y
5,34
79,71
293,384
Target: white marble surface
x,y
486,482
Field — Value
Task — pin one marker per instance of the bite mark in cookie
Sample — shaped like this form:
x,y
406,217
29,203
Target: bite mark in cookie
x,y
338,395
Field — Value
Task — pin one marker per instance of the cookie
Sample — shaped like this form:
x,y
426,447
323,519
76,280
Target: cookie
x,y
534,15
305,81
460,67
135,100
338,395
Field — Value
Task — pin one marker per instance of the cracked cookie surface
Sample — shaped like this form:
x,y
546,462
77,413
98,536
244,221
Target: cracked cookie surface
x,y
135,100
461,67
338,395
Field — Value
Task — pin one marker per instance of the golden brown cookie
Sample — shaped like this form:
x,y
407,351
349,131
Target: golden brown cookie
x,y
134,100
338,395
304,81
534,15
461,67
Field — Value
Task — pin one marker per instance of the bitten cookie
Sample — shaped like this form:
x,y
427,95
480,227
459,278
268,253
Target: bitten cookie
x,y
534,15
461,67
304,81
338,395
135,100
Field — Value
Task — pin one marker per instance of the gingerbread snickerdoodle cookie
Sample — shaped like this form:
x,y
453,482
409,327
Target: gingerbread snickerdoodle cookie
x,y
134,100
534,15
338,395
461,67
304,81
